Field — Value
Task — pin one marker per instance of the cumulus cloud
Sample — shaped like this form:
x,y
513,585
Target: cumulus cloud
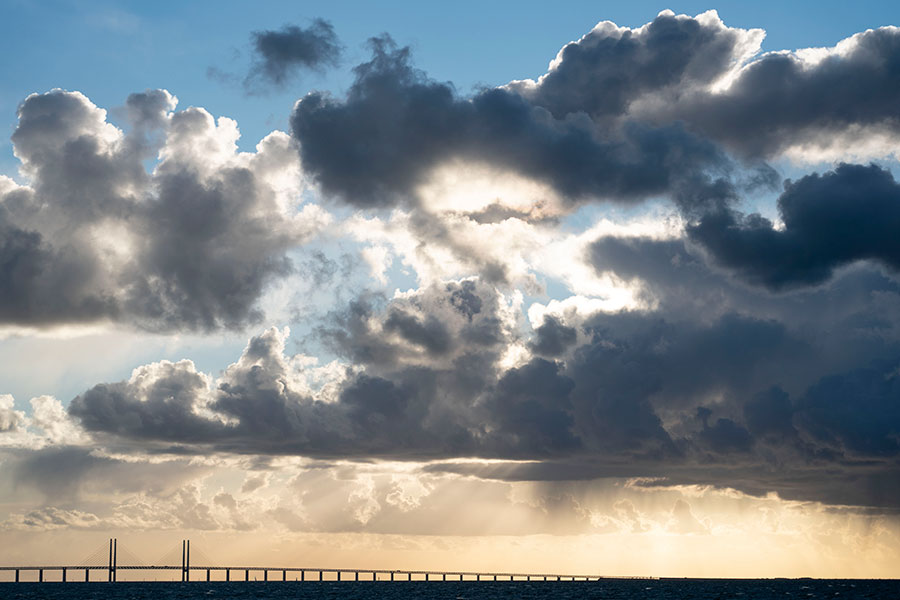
x,y
264,403
751,402
819,102
719,349
396,126
94,237
621,114
11,420
611,67
830,220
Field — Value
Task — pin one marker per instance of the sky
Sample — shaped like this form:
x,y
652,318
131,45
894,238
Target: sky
x,y
601,288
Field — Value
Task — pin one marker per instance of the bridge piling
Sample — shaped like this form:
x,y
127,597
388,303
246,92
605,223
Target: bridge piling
x,y
207,574
265,575
64,574
87,575
246,574
284,574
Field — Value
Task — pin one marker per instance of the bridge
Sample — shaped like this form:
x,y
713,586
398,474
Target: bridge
x,y
109,568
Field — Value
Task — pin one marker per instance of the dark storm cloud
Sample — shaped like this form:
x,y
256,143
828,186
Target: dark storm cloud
x,y
856,412
374,147
609,68
724,435
552,338
770,414
830,220
410,405
835,347
428,333
392,410
95,237
778,100
683,395
662,73
860,305
281,55
417,328
532,407
622,113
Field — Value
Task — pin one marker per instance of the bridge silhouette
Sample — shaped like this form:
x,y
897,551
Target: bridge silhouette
x,y
106,559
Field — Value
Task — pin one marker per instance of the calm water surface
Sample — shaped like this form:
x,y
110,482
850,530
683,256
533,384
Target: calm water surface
x,y
674,589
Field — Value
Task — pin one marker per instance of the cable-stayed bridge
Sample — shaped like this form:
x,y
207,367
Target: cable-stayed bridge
x,y
109,559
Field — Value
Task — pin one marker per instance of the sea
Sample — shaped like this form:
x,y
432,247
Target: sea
x,y
618,589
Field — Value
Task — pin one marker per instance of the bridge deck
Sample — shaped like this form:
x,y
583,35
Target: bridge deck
x,y
479,575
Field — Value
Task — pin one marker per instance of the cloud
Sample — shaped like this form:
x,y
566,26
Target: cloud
x,y
683,520
281,55
49,415
849,214
396,126
814,100
95,237
621,114
685,395
11,420
51,517
553,338
855,412
66,474
721,349
611,67
161,401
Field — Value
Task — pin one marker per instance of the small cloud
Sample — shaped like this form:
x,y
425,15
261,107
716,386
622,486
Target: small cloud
x,y
279,56
683,520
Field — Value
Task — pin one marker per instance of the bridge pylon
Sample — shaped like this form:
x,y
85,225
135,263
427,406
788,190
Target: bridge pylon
x,y
185,560
112,559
